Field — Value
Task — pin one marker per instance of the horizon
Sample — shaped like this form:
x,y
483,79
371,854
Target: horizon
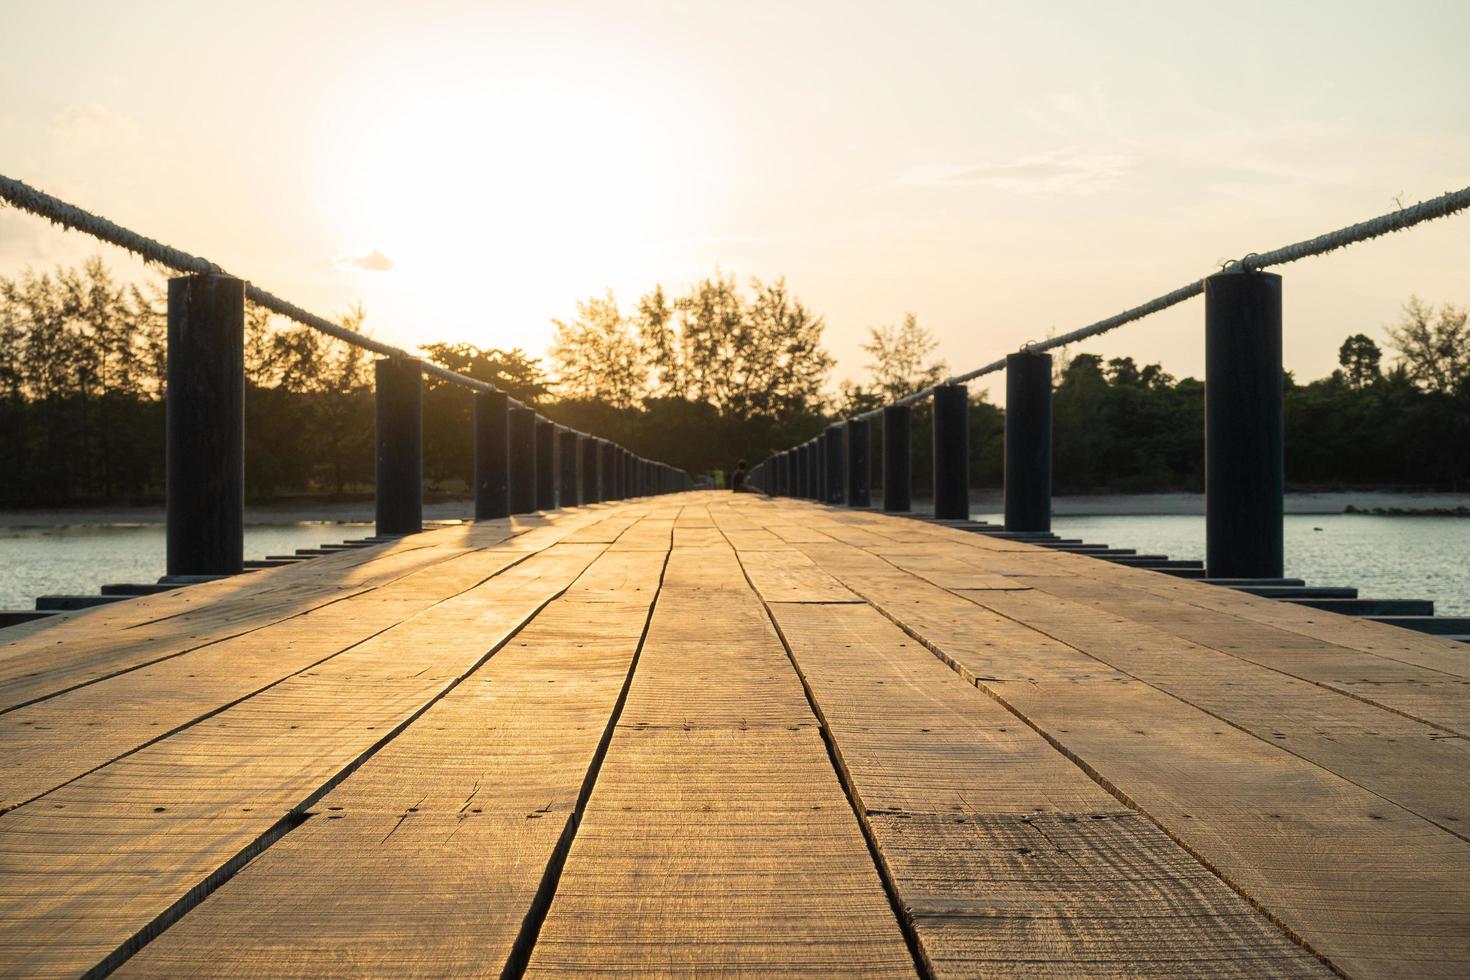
x,y
876,185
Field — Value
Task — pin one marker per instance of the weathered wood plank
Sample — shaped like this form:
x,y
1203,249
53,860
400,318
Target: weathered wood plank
x,y
428,859
1422,768
66,736
1277,827
717,837
1009,859
90,871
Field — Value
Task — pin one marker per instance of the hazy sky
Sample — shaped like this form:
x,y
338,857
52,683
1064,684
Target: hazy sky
x,y
1001,169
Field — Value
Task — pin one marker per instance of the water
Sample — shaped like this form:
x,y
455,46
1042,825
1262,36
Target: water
x,y
77,559
1383,557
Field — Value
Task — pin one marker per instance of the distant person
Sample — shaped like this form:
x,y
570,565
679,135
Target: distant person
x,y
719,475
737,479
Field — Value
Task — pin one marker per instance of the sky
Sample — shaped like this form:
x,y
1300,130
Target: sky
x,y
468,171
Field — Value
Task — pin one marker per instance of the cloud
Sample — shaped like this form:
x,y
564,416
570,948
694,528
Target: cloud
x,y
1068,171
374,261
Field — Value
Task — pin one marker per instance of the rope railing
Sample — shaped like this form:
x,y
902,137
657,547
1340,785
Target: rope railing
x,y
523,462
1438,207
59,212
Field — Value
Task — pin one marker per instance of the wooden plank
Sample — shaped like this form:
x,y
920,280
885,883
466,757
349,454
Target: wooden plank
x,y
152,628
1422,768
790,576
1430,696
717,838
1372,887
90,871
62,738
1009,859
429,858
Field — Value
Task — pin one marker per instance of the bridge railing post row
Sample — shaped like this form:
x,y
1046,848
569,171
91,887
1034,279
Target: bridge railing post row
x,y
398,403
522,461
859,445
1245,468
813,489
836,470
568,457
1028,442
545,464
492,455
204,411
898,468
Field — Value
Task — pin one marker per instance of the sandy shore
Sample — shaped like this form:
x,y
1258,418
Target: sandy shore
x,y
989,502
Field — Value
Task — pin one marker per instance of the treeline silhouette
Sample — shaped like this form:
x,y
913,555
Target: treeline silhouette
x,y
703,379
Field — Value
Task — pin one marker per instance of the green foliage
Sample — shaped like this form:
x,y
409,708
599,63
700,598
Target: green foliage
x,y
699,381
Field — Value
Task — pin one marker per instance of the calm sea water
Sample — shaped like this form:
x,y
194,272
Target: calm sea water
x,y
78,559
1385,557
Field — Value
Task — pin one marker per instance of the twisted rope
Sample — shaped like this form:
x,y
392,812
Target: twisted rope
x,y
1439,207
59,212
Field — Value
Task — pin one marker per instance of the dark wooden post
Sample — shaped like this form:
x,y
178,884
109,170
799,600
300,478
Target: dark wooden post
x,y
545,464
399,410
492,455
836,472
1245,469
607,478
859,442
591,485
810,489
204,414
522,461
897,460
1028,442
952,452
569,485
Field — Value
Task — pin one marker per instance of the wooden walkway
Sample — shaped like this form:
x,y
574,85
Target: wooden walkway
x,y
715,734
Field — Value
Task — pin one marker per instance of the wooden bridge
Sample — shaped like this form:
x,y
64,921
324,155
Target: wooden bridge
x,y
712,733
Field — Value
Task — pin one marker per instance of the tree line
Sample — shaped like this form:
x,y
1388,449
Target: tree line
x,y
702,379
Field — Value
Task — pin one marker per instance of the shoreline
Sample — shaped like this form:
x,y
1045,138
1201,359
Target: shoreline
x,y
1363,502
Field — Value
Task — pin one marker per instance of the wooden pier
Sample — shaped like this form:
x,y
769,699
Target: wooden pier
x,y
712,733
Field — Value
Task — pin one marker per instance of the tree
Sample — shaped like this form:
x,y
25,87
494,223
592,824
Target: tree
x,y
512,371
901,361
1360,359
598,357
660,344
1436,352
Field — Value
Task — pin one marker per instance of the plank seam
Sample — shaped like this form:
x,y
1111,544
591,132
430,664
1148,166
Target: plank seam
x,y
297,815
1106,784
254,629
922,966
1226,721
525,941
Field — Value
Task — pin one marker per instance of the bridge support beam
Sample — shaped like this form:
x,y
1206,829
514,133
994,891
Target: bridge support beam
x,y
952,452
492,455
1245,469
897,459
399,410
205,426
835,486
522,461
545,464
859,446
569,484
1028,442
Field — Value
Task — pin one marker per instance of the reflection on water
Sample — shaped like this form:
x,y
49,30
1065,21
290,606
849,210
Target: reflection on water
x,y
1384,557
78,559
